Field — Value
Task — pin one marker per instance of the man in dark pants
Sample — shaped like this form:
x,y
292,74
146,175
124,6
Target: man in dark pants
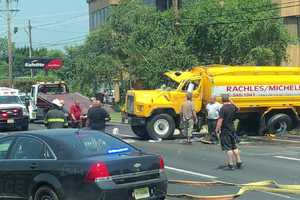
x,y
56,118
226,130
213,110
96,117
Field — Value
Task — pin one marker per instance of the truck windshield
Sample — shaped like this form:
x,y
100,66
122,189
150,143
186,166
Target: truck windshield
x,y
10,100
53,89
169,84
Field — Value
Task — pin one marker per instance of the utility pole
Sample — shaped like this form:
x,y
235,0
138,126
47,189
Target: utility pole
x,y
10,45
30,43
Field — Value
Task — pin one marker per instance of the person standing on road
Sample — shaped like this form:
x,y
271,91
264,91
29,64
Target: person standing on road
x,y
96,117
213,110
75,114
188,117
226,130
56,118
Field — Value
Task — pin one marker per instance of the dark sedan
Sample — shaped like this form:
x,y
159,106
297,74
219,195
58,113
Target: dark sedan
x,y
71,164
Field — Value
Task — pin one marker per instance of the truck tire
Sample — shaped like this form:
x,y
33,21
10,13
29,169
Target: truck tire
x,y
279,124
140,131
200,123
161,126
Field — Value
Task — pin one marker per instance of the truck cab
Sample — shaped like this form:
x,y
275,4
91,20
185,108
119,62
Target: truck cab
x,y
13,113
156,113
42,90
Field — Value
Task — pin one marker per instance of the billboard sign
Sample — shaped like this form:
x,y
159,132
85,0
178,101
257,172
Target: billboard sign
x,y
43,63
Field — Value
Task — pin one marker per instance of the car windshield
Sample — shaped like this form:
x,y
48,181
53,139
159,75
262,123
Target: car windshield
x,y
10,100
93,144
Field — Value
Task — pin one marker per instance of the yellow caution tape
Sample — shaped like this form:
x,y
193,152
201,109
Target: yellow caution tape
x,y
263,186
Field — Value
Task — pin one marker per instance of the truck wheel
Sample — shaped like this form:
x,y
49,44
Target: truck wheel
x,y
279,124
199,125
140,131
161,126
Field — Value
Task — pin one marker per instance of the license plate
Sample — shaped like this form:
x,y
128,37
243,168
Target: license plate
x,y
141,193
10,121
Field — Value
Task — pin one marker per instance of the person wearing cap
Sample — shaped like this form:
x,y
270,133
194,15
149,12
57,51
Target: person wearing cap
x,y
56,118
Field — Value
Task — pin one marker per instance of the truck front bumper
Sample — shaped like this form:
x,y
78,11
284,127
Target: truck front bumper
x,y
136,121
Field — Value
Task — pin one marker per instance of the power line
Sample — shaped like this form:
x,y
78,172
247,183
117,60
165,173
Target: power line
x,y
60,22
58,31
61,42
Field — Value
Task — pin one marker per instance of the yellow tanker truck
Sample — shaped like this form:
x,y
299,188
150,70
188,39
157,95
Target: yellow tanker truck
x,y
268,97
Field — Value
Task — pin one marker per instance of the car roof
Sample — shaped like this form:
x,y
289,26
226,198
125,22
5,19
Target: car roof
x,y
53,133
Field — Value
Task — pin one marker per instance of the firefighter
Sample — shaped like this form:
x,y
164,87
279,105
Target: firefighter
x,y
56,118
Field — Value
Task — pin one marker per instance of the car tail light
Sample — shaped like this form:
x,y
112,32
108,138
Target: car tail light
x,y
97,171
16,112
4,115
161,163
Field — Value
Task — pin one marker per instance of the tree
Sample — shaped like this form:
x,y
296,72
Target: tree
x,y
229,33
141,42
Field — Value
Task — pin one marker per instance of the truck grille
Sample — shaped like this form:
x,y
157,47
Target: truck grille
x,y
130,104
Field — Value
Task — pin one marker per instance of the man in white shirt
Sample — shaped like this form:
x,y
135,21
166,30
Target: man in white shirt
x,y
213,110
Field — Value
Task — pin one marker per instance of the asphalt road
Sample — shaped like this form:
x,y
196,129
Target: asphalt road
x,y
263,161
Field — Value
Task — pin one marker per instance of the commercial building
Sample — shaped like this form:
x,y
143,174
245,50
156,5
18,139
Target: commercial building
x,y
290,11
99,10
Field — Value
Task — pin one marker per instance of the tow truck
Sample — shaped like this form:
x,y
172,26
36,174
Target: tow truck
x,y
43,93
13,113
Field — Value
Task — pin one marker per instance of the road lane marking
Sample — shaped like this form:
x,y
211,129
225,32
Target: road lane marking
x,y
278,195
287,158
190,172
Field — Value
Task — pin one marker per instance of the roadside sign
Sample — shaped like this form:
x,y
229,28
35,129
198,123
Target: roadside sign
x,y
43,63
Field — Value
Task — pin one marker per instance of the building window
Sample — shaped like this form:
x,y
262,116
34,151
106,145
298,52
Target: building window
x,y
163,4
293,25
99,17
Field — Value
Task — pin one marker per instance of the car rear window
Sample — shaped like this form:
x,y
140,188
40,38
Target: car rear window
x,y
96,143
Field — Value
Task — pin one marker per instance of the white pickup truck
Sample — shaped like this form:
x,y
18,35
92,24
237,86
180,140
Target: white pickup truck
x,y
13,112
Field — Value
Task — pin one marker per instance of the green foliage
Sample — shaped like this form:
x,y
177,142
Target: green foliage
x,y
228,33
141,42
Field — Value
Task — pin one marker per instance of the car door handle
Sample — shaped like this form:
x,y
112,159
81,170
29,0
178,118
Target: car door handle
x,y
33,165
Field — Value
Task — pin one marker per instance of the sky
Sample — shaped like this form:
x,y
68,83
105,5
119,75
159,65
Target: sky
x,y
55,23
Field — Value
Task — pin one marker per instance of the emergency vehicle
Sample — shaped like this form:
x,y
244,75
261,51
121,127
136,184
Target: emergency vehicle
x,y
13,113
43,94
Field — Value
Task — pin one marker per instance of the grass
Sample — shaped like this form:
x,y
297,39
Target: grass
x,y
116,117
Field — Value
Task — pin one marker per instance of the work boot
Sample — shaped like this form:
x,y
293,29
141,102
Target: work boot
x,y
230,167
239,165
